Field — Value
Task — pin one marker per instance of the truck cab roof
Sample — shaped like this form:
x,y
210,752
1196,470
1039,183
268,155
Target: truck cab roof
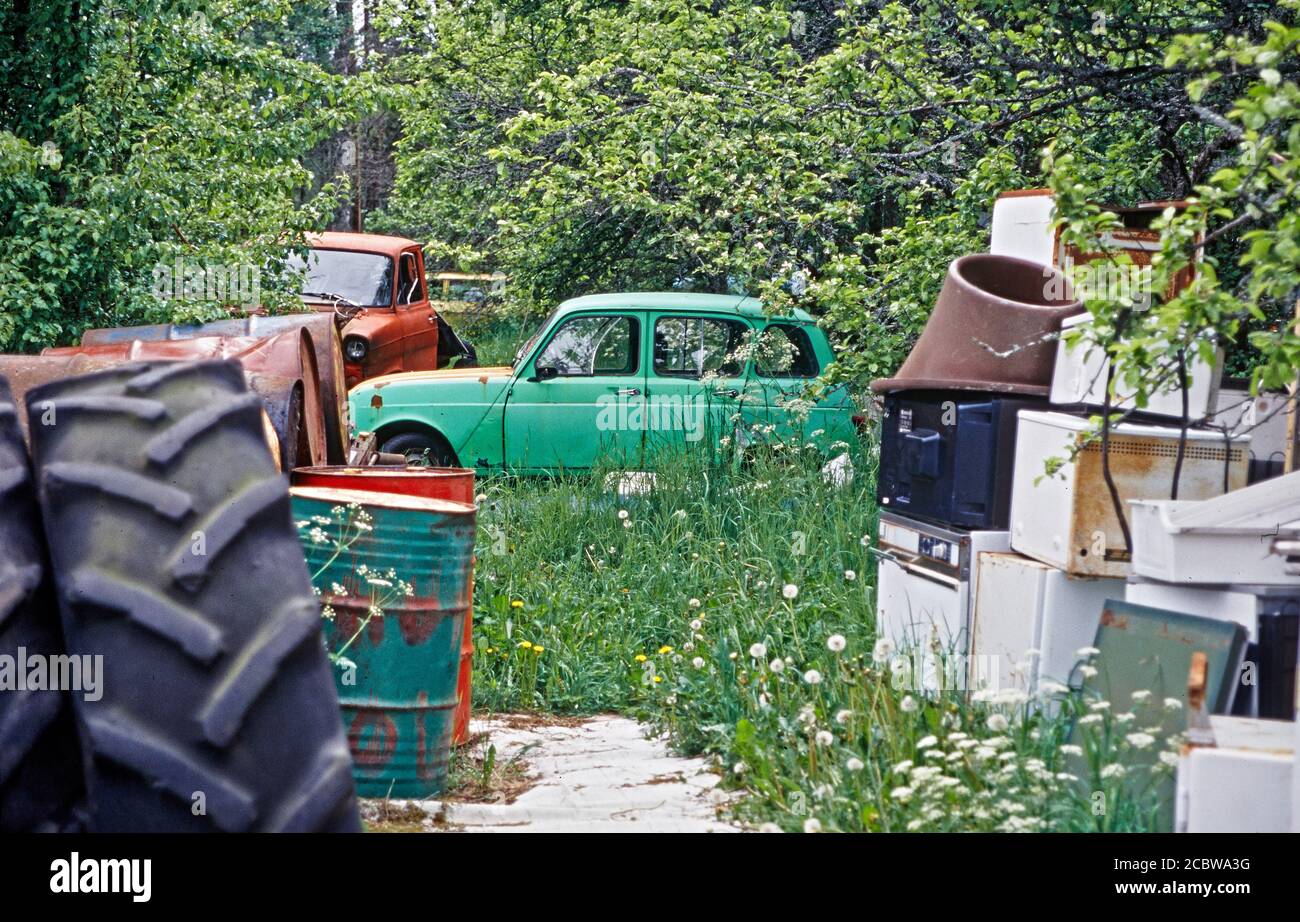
x,y
360,243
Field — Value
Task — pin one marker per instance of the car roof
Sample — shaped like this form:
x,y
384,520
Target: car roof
x,y
361,243
685,301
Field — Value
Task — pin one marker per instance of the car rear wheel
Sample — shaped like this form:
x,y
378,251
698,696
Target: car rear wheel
x,y
426,449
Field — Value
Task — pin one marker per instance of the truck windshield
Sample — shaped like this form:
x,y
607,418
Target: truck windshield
x,y
363,279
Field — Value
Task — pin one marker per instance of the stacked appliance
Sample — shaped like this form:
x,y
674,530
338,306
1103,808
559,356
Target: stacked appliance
x,y
948,437
1225,558
1000,536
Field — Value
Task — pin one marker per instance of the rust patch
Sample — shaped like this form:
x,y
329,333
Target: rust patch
x,y
1110,619
377,402
1142,468
417,626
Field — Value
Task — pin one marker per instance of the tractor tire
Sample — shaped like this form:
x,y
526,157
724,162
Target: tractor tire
x,y
42,769
175,558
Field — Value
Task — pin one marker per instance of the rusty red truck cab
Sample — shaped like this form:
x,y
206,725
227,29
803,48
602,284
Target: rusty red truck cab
x,y
376,286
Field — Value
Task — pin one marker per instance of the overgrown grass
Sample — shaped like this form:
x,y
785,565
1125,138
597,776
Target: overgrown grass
x,y
733,607
496,336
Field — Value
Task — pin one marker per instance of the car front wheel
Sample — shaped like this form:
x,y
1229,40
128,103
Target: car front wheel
x,y
421,448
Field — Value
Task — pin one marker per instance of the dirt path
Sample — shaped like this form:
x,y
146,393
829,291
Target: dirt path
x,y
596,774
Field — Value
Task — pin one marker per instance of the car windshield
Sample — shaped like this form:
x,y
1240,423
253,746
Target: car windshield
x,y
527,347
363,279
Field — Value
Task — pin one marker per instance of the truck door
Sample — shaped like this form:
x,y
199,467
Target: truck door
x,y
415,314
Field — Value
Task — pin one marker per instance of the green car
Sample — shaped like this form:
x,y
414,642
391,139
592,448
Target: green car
x,y
617,379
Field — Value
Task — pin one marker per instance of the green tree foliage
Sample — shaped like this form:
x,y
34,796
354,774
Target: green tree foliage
x,y
852,148
833,153
140,132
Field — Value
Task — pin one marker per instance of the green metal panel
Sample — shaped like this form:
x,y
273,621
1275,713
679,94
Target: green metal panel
x,y
399,707
1150,649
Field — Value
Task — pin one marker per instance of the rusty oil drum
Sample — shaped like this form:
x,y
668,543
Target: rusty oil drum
x,y
399,708
451,483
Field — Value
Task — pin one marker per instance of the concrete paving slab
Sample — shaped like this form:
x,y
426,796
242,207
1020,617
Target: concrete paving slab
x,y
598,775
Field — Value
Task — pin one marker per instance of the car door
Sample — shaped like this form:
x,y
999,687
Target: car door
x,y
415,314
699,387
786,363
578,401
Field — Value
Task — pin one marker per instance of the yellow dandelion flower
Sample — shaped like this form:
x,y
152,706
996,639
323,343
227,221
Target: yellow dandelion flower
x,y
665,649
538,649
658,679
640,657
526,645
517,603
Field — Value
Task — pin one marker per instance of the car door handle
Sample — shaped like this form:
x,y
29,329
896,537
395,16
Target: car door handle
x,y
628,391
732,394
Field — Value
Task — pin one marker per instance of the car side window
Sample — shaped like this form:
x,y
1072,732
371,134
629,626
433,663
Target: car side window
x,y
692,347
586,346
785,351
409,289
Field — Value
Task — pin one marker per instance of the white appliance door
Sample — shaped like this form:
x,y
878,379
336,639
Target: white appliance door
x,y
915,609
1005,622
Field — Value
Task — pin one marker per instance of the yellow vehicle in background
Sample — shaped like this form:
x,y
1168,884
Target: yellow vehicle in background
x,y
467,292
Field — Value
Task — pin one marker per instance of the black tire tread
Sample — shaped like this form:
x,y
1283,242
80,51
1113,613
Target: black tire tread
x,y
216,680
42,767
